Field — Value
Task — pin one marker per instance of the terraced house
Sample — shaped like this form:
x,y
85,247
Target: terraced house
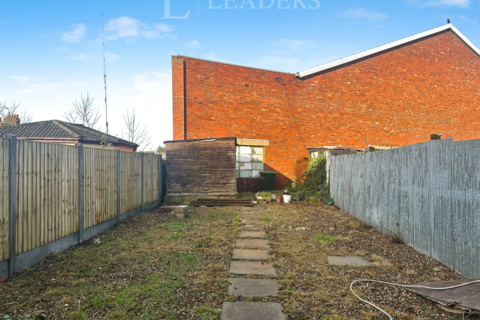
x,y
393,95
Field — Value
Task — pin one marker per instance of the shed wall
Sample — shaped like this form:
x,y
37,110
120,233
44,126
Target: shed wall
x,y
201,168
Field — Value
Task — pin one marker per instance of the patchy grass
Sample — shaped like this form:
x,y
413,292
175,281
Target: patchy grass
x,y
324,239
151,266
310,288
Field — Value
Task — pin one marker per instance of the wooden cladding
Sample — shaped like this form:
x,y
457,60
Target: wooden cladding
x,y
47,190
201,168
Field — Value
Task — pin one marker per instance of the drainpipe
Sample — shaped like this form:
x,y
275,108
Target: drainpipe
x,y
184,100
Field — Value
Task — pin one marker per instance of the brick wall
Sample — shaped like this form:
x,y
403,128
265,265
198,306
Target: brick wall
x,y
396,98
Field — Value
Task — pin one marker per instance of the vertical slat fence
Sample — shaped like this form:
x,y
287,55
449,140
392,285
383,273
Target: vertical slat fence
x,y
427,193
51,187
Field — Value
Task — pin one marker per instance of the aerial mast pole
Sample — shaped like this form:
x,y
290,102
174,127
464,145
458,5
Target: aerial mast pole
x,y
105,81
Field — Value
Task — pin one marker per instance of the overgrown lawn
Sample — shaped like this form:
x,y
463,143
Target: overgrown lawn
x,y
151,266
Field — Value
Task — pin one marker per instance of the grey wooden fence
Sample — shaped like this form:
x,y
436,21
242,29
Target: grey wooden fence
x,y
427,193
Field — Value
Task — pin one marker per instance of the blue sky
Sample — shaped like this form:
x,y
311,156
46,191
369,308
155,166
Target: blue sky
x,y
52,50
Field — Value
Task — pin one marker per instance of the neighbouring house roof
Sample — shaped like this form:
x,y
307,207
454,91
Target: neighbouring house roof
x,y
61,130
389,46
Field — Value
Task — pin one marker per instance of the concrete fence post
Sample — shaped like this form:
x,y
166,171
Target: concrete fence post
x,y
159,176
12,184
118,185
81,188
143,180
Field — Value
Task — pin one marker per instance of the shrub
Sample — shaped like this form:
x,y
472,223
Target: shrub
x,y
314,179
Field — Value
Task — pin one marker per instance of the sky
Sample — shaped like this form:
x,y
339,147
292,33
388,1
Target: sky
x,y
51,51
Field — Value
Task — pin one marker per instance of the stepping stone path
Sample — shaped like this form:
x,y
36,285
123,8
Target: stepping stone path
x,y
348,261
251,245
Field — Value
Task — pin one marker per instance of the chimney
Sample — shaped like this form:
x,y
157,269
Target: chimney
x,y
11,120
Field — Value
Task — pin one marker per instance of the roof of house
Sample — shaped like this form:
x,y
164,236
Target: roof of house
x,y
386,47
61,130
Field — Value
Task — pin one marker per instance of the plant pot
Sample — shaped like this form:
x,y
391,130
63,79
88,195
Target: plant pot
x,y
287,198
279,198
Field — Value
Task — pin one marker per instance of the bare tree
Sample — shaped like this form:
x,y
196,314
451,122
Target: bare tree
x,y
133,133
3,109
14,109
83,112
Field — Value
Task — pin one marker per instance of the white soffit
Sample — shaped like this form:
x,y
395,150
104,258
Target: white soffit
x,y
385,47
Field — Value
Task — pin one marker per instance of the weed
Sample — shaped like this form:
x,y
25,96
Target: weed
x,y
206,312
79,315
265,219
175,224
213,216
324,239
395,237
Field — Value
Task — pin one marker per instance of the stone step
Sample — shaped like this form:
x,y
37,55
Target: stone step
x,y
241,310
252,243
253,287
253,227
252,234
258,268
246,254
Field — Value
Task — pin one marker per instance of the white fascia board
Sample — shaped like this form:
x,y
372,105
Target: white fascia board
x,y
465,40
386,47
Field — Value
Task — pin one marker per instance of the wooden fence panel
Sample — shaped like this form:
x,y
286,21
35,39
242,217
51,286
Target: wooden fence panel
x,y
46,193
4,194
151,178
130,181
100,180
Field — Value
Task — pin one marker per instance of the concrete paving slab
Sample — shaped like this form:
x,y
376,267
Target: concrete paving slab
x,y
348,261
252,243
259,268
251,221
251,209
247,254
252,235
254,227
251,216
253,287
241,310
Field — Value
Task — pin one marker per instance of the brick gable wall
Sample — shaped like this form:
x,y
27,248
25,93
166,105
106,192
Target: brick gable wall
x,y
393,99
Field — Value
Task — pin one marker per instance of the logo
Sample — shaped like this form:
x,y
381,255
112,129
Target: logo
x,y
248,4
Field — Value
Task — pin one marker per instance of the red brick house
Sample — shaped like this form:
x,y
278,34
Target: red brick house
x,y
393,95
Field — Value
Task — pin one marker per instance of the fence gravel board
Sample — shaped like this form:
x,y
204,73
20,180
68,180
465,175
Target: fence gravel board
x,y
427,193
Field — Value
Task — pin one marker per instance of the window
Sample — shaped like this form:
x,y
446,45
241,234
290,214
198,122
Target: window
x,y
250,161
